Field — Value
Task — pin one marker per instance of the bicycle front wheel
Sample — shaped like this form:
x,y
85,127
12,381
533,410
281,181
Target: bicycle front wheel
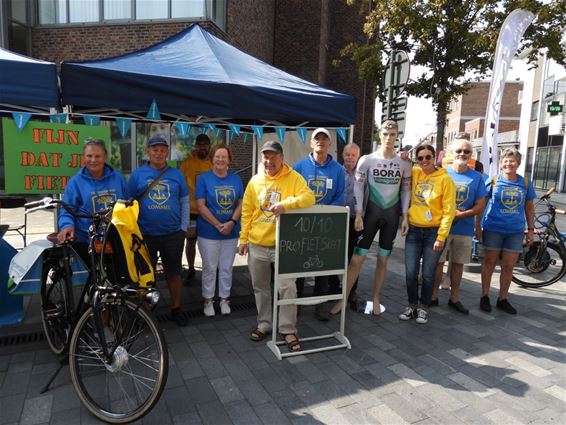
x,y
128,387
540,267
54,311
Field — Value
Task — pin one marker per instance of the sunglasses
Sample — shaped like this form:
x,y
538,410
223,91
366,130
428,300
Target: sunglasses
x,y
464,151
424,158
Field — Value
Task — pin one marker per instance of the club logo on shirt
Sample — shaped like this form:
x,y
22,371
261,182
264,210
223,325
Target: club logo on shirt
x,y
160,193
511,197
423,190
318,186
225,197
102,200
462,195
266,201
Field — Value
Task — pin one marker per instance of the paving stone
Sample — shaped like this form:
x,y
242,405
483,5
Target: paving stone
x,y
237,369
159,415
557,392
191,418
174,377
190,369
65,398
241,413
407,374
355,415
226,389
469,415
15,383
213,413
290,403
269,379
25,366
528,366
254,392
383,414
402,407
4,363
270,414
201,350
66,417
307,393
441,397
333,393
200,390
253,360
212,367
11,408
37,410
178,400
327,414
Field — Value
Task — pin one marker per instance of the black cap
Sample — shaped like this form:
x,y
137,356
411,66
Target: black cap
x,y
202,139
157,140
272,146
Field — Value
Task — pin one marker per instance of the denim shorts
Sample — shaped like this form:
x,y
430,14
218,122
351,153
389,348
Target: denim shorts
x,y
496,241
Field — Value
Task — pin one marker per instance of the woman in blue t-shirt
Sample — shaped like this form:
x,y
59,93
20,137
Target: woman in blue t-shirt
x,y
218,195
510,201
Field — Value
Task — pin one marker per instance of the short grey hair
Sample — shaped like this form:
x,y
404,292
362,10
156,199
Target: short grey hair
x,y
510,152
352,146
460,140
462,135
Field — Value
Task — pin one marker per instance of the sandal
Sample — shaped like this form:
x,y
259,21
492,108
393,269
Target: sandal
x,y
258,335
293,345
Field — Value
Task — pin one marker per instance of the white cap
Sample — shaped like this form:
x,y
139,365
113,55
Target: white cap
x,y
320,130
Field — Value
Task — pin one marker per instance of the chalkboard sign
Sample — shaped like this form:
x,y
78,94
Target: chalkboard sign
x,y
312,241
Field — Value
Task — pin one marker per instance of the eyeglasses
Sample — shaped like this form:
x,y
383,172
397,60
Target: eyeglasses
x,y
97,142
464,151
424,158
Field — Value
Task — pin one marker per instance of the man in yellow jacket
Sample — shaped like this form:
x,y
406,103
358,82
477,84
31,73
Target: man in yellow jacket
x,y
273,190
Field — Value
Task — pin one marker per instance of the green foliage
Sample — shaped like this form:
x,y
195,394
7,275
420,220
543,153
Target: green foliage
x,y
454,39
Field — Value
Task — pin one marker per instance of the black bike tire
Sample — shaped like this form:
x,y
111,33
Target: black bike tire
x,y
562,254
49,330
88,401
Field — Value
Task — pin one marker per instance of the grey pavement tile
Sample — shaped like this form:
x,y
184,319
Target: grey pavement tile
x,y
174,377
201,350
4,363
307,393
44,367
367,379
269,379
191,418
472,416
27,356
190,369
337,374
241,413
440,397
401,407
290,404
213,337
15,383
379,342
65,398
237,369
333,393
37,410
489,376
356,390
292,372
200,390
310,371
254,392
178,400
66,417
11,408
226,389
18,367
37,382
212,367
407,374
381,356
471,384
328,414
355,415
253,359
159,415
179,351
271,414
224,352
347,363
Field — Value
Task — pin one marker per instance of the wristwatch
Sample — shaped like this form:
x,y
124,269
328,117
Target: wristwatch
x,y
234,221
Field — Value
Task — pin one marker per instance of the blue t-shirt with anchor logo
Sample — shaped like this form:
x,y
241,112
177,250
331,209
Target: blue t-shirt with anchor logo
x,y
327,181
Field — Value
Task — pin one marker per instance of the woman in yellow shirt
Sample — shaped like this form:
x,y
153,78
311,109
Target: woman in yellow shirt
x,y
433,205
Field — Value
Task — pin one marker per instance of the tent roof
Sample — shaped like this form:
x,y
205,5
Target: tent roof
x,y
27,81
195,73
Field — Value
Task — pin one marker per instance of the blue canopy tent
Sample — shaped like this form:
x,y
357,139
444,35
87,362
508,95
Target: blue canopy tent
x,y
27,82
195,74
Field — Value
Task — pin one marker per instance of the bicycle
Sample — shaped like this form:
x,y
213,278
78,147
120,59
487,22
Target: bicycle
x,y
117,355
544,262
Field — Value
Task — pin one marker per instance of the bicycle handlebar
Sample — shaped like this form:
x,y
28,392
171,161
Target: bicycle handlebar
x,y
49,202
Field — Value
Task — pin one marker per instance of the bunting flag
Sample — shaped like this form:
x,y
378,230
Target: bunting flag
x,y
280,131
302,132
21,119
234,130
210,126
182,127
341,134
153,113
203,129
258,131
91,119
217,132
58,118
246,137
124,125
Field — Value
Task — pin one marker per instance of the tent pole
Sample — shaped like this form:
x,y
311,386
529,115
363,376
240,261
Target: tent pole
x,y
351,135
254,156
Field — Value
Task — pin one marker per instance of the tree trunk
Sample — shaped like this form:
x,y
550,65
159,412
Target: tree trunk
x,y
440,125
323,42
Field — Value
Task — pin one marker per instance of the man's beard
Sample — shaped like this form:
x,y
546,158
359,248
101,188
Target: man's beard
x,y
202,154
460,162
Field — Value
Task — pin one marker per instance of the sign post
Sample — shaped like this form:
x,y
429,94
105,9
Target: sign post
x,y
311,242
395,81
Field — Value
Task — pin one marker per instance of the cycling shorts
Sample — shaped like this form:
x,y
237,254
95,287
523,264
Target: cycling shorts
x,y
386,221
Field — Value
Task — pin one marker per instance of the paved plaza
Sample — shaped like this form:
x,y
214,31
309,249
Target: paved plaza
x,y
476,369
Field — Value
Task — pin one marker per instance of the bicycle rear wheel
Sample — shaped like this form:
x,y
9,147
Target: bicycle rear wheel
x,y
127,388
540,267
54,309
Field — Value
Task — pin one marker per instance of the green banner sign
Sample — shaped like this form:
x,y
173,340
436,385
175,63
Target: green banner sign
x,y
44,156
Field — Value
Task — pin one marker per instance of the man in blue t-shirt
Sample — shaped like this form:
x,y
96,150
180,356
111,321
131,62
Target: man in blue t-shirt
x,y
470,203
164,215
327,179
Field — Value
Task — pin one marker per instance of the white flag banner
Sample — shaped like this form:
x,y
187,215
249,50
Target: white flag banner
x,y
507,43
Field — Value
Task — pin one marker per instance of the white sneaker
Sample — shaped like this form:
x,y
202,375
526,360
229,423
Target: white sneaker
x,y
407,314
225,307
422,316
209,309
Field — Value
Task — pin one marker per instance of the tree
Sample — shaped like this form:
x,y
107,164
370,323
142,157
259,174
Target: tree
x,y
454,39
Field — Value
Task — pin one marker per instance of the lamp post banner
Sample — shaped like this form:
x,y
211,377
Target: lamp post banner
x,y
510,35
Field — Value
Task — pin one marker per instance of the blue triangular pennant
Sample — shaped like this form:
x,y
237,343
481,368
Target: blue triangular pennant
x,y
302,132
246,135
280,131
234,130
58,118
153,113
21,119
91,119
124,125
217,132
203,129
341,134
258,131
183,127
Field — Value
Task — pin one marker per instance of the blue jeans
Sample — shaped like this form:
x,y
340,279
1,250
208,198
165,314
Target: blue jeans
x,y
419,244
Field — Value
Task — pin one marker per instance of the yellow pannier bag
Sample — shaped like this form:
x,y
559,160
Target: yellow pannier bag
x,y
131,262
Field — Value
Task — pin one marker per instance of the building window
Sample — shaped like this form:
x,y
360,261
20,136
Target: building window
x,y
60,12
534,110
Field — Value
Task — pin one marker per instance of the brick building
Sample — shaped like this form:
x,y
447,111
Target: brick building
x,y
303,38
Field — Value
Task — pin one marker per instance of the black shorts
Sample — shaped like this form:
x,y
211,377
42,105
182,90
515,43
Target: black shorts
x,y
170,249
386,221
193,217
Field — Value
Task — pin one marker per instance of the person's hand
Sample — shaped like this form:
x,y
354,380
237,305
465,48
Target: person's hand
x,y
277,208
191,232
243,249
226,228
359,223
530,238
67,233
405,227
438,246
